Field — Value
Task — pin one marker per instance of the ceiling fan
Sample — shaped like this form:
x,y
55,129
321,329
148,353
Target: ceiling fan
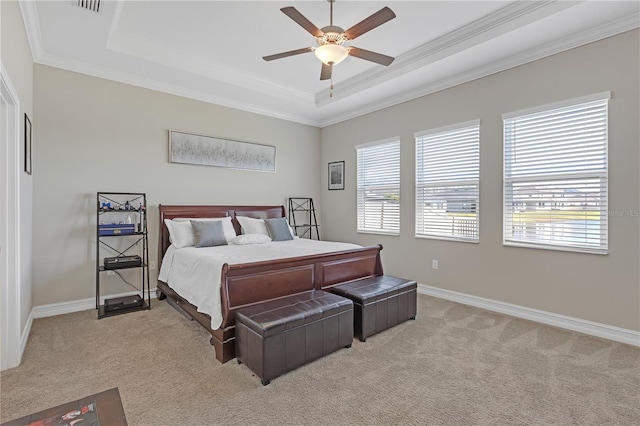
x,y
331,49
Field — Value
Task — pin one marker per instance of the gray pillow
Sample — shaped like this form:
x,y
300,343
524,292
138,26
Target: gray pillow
x,y
208,233
278,229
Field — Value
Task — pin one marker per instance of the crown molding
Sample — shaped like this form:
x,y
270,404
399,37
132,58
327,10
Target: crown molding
x,y
147,83
429,52
29,13
188,62
450,43
196,64
610,29
32,25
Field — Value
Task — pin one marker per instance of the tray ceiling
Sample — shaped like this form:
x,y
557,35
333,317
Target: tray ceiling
x,y
212,50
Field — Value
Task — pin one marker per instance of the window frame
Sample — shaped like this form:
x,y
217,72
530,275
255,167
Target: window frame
x,y
382,231
603,248
441,131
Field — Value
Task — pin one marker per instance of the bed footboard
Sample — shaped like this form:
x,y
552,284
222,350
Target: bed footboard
x,y
251,283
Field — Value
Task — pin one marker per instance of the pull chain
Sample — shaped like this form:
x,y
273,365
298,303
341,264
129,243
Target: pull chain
x,y
331,89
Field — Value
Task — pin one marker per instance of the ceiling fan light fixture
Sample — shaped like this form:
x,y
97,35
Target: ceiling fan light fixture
x,y
331,54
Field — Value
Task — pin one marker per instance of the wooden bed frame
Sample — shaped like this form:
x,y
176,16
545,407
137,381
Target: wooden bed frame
x,y
251,283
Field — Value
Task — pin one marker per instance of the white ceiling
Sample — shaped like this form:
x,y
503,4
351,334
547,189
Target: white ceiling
x,y
212,50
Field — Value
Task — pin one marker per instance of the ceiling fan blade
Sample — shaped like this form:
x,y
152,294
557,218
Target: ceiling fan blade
x,y
325,74
293,13
368,55
380,17
289,53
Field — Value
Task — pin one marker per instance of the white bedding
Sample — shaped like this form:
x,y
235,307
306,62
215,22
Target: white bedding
x,y
194,273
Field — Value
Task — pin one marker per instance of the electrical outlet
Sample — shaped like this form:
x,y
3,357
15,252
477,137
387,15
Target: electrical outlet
x,y
110,273
434,264
152,265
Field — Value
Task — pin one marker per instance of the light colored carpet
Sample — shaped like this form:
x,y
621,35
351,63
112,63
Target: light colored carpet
x,y
454,365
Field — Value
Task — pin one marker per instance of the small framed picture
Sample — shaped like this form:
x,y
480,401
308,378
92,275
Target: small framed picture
x,y
27,144
336,175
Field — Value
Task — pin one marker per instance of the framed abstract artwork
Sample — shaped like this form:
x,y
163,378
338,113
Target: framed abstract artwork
x,y
189,148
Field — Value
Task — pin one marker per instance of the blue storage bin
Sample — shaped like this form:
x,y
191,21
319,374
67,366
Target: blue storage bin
x,y
116,228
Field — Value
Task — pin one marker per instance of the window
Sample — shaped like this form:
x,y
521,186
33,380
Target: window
x,y
555,176
447,180
379,187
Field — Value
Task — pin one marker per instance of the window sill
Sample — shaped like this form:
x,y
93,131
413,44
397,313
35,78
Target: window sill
x,y
556,248
390,234
456,240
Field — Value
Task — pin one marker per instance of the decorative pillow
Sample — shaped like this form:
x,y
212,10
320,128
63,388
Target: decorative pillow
x,y
251,225
245,239
208,233
278,229
180,233
227,226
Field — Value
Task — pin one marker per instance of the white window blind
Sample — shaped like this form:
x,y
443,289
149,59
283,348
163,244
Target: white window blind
x,y
379,187
555,177
447,181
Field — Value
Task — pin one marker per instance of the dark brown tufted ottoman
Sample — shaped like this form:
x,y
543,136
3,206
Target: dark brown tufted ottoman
x,y
379,302
280,335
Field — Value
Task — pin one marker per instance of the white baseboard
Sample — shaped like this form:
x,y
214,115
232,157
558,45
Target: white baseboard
x,y
75,306
605,331
25,335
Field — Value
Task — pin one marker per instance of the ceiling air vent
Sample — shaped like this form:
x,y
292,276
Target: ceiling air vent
x,y
91,5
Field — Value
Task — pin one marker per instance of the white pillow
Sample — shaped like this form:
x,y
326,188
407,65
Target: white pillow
x,y
251,225
180,233
245,239
227,226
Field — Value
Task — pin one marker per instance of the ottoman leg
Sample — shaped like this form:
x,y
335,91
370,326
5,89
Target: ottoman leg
x,y
265,382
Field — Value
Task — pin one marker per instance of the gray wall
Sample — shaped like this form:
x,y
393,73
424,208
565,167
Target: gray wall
x,y
18,62
604,289
98,135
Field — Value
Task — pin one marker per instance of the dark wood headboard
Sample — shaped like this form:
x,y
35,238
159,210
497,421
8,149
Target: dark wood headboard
x,y
172,212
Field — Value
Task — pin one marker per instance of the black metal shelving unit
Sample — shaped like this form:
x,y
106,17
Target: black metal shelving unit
x,y
302,218
115,208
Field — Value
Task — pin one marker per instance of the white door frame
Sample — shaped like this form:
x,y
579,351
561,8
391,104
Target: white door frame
x,y
10,345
